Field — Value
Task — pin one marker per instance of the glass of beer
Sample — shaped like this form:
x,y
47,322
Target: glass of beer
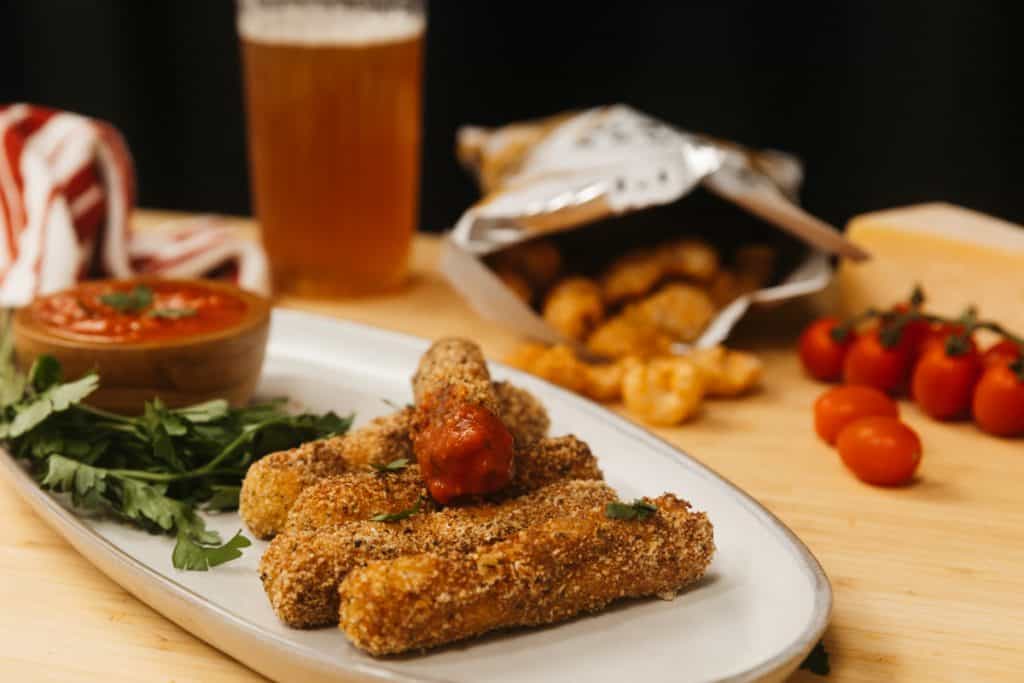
x,y
333,98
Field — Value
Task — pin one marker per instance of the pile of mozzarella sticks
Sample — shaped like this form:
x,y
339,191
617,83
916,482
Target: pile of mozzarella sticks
x,y
360,539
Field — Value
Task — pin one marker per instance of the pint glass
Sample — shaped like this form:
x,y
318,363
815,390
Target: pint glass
x,y
333,101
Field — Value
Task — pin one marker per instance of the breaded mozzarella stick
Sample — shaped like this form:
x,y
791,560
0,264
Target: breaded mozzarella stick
x,y
274,483
301,570
357,496
461,444
567,566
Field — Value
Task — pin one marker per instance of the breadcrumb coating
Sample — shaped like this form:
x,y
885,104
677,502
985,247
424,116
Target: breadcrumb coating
x,y
454,365
381,440
523,414
576,563
357,496
301,570
273,484
461,444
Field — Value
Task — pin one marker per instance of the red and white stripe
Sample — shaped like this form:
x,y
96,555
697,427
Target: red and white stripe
x,y
67,188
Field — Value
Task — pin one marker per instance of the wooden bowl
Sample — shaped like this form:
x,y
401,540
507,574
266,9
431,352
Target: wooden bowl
x,y
224,363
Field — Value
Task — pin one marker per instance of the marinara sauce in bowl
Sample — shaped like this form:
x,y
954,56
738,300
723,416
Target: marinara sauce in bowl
x,y
183,341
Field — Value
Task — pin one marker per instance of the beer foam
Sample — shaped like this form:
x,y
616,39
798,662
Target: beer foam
x,y
326,25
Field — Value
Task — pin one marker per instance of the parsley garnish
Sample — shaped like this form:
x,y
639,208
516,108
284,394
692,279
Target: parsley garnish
x,y
817,660
129,302
172,313
393,466
638,509
153,471
189,554
398,516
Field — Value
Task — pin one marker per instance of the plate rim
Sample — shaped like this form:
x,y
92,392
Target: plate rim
x,y
80,536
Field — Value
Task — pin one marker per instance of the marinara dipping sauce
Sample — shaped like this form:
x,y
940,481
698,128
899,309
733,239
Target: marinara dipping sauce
x,y
138,311
468,452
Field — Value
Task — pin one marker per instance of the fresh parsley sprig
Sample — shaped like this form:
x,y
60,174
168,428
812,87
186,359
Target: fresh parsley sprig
x,y
639,509
396,465
398,516
133,301
155,470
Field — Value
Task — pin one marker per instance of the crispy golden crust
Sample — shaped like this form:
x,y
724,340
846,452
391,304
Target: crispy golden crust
x,y
688,258
273,484
727,373
626,335
664,391
301,570
522,413
552,460
632,275
557,364
574,307
678,311
573,564
357,496
457,366
381,440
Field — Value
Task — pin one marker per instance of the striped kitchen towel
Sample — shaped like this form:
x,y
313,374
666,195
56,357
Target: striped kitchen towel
x,y
67,189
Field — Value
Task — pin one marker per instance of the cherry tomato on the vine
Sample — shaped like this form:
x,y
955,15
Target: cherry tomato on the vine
x,y
943,383
840,406
880,450
998,404
914,332
821,354
937,336
871,363
1001,353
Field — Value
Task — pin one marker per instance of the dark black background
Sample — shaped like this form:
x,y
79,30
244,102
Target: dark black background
x,y
888,102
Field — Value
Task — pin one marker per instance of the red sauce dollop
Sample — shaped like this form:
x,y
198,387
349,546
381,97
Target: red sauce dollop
x,y
468,451
171,310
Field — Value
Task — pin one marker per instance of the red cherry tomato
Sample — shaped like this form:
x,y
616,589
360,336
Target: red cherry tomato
x,y
998,404
1001,353
870,363
821,354
937,336
880,450
943,384
914,332
840,406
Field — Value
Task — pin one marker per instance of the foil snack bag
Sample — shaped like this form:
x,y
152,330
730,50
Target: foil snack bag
x,y
577,171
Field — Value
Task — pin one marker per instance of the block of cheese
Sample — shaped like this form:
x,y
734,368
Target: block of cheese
x,y
959,256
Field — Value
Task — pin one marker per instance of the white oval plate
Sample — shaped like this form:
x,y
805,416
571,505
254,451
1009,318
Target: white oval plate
x,y
756,615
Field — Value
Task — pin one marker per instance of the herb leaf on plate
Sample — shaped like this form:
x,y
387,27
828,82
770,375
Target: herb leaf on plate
x,y
398,516
394,466
638,509
188,554
155,470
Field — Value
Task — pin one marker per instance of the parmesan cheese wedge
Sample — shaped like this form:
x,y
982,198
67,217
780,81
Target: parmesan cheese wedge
x,y
959,256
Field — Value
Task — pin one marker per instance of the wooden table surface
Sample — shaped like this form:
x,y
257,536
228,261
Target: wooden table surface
x,y
928,580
